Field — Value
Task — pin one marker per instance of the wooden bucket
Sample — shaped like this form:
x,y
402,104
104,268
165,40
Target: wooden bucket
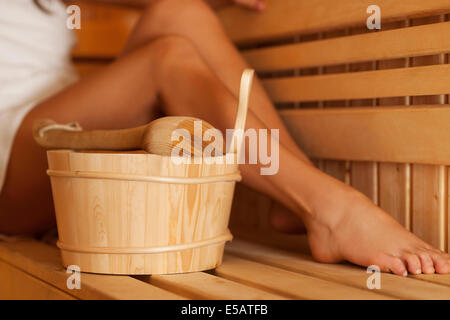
x,y
140,213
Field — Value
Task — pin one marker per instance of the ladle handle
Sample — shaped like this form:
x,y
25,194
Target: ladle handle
x,y
51,135
241,117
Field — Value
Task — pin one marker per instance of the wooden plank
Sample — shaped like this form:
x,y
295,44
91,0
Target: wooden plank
x,y
434,278
338,169
392,285
284,18
429,211
18,285
104,29
395,191
394,134
405,42
44,262
365,179
448,210
200,285
418,81
287,283
429,182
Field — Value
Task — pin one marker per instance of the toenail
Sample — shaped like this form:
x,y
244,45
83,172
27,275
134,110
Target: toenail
x,y
418,271
405,274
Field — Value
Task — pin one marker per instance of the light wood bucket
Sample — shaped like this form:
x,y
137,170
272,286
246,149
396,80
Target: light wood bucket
x,y
140,213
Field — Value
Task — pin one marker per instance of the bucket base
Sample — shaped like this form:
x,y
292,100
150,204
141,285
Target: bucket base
x,y
191,260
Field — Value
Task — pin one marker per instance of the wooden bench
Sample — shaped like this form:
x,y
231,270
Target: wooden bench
x,y
370,107
32,270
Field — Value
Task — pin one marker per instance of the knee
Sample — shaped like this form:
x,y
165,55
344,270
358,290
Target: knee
x,y
178,17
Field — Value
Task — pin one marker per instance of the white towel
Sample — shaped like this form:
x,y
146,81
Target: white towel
x,y
34,63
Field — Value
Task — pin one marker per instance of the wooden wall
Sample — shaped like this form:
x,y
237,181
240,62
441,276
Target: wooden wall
x,y
416,194
364,104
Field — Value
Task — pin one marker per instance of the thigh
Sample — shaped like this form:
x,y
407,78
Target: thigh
x,y
196,21
119,96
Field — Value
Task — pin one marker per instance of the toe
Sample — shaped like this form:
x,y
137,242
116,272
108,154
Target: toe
x,y
413,263
396,266
441,262
427,262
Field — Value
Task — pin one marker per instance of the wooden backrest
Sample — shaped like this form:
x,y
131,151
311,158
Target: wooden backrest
x,y
371,107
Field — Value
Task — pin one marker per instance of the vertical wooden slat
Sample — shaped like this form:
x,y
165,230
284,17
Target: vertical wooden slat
x,y
395,188
448,209
394,178
448,171
337,169
429,182
429,204
365,179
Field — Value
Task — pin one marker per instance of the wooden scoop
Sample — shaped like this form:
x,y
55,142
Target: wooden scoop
x,y
155,137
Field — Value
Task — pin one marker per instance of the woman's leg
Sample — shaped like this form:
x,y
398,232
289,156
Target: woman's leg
x,y
342,224
122,95
196,21
400,250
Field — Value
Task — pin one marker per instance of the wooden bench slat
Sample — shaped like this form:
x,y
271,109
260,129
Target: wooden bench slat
x,y
417,81
385,134
284,18
287,283
44,262
201,285
392,285
18,285
405,42
434,278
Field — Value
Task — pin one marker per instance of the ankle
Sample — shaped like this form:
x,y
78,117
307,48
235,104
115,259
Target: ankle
x,y
330,205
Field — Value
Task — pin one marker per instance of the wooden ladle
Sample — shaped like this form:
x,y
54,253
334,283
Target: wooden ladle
x,y
155,137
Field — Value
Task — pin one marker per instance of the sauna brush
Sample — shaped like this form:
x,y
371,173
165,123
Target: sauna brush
x,y
155,137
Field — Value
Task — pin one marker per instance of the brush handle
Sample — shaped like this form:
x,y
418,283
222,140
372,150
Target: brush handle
x,y
241,117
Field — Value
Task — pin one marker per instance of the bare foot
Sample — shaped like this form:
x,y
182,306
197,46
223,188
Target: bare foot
x,y
358,231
